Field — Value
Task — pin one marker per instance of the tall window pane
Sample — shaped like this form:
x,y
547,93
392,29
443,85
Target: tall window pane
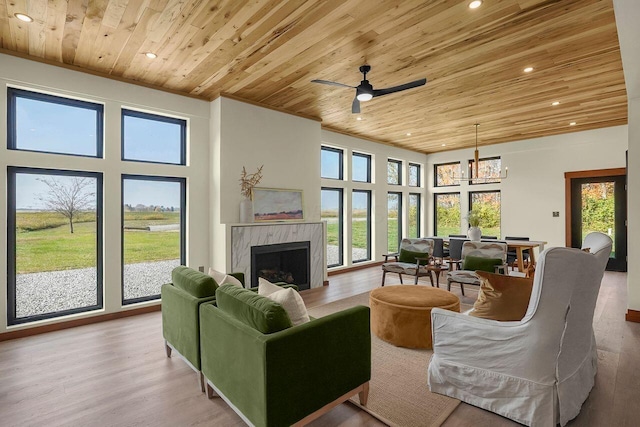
x,y
331,163
55,243
52,124
445,174
152,138
488,170
394,221
414,175
487,203
361,226
394,172
152,234
331,212
361,167
414,215
447,218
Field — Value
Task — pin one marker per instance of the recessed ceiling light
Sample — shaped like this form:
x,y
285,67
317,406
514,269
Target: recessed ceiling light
x,y
528,69
572,124
359,118
554,103
475,4
408,133
23,17
444,145
151,55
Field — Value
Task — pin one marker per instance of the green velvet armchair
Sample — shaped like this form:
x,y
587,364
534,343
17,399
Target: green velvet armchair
x,y
275,374
181,301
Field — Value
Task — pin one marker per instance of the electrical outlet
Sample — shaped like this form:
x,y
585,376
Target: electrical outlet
x,y
201,269
556,214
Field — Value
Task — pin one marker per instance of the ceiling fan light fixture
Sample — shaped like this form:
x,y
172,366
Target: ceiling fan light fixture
x,y
475,4
23,17
364,96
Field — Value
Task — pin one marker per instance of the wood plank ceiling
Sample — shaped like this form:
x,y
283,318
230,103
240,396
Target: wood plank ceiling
x,y
268,51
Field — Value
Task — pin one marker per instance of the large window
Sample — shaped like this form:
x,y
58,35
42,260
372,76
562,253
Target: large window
x,y
394,172
331,163
332,213
414,175
447,214
152,138
54,243
414,215
394,221
488,170
153,234
51,124
361,226
446,173
487,204
361,167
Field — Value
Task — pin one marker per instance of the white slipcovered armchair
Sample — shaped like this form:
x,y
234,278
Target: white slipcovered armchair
x,y
537,371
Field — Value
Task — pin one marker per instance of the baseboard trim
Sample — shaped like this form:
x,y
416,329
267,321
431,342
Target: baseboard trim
x,y
632,316
11,335
355,267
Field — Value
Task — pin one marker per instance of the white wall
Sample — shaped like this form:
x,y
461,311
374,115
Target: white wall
x,y
536,186
114,95
289,148
380,153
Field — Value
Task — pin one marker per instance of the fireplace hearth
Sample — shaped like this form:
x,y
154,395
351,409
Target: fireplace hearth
x,y
282,262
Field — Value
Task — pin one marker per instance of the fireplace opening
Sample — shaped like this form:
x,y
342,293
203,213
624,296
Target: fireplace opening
x,y
282,262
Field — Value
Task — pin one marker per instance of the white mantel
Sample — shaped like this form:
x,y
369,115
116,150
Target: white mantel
x,y
244,236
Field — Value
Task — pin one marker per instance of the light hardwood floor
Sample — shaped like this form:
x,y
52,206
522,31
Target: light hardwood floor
x,y
116,373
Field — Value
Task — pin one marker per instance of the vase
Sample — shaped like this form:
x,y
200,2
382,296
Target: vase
x,y
246,211
474,234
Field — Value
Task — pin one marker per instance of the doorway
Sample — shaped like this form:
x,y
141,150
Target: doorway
x,y
597,201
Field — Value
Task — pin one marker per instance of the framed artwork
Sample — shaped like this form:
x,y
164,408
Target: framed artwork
x,y
275,204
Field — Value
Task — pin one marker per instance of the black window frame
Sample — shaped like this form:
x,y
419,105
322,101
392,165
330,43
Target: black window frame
x,y
470,202
159,118
369,217
183,227
418,180
399,164
14,93
368,158
400,221
435,174
419,217
435,207
340,192
340,162
12,171
470,169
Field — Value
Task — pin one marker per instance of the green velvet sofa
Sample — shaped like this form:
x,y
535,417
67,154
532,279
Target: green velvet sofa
x,y
181,301
275,374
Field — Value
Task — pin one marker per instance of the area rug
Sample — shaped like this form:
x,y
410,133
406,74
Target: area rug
x,y
398,392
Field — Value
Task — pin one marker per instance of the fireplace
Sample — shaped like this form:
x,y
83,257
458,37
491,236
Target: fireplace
x,y
282,262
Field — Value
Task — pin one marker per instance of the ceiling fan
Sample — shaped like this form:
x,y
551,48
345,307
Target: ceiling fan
x,y
364,91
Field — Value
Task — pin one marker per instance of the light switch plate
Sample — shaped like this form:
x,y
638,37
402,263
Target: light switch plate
x,y
556,214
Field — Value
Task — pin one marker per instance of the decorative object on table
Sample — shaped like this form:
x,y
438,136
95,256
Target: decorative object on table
x,y
276,204
474,233
247,182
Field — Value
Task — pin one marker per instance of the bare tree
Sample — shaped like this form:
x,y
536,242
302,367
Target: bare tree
x,y
68,197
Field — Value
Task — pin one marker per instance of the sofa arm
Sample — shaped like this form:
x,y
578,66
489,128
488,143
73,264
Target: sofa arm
x,y
181,322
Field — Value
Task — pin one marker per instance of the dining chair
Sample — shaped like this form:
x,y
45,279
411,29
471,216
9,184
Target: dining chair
x,y
455,252
512,256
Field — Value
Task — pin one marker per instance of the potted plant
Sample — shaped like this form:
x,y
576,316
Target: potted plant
x,y
474,232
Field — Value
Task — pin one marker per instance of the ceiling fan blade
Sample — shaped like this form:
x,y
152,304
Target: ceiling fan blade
x,y
386,91
327,82
355,107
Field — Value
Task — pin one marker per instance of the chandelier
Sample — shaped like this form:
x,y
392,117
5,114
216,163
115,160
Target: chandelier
x,y
475,176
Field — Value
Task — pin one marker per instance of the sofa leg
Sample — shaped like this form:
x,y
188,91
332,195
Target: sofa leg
x,y
364,394
400,276
167,348
211,393
202,381
462,289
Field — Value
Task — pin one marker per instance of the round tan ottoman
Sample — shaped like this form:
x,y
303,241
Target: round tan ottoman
x,y
401,315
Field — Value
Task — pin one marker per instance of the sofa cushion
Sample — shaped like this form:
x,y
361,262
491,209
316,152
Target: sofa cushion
x,y
223,278
193,282
410,256
293,304
256,311
502,297
266,288
474,263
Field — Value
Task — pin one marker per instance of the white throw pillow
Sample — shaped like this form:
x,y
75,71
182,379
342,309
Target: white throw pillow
x,y
292,303
266,288
223,278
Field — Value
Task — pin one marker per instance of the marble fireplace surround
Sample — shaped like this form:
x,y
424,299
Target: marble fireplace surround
x,y
244,236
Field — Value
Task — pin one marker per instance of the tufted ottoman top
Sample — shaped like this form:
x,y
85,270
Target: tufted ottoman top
x,y
415,296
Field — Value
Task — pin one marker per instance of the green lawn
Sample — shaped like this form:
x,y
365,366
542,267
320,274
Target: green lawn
x,y
51,248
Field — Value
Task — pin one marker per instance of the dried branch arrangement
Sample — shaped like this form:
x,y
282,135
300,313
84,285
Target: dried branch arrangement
x,y
249,180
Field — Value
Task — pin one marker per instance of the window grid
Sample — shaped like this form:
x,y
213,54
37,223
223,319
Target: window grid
x,y
334,231
414,175
182,124
488,204
330,151
394,172
367,159
357,229
444,174
415,202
